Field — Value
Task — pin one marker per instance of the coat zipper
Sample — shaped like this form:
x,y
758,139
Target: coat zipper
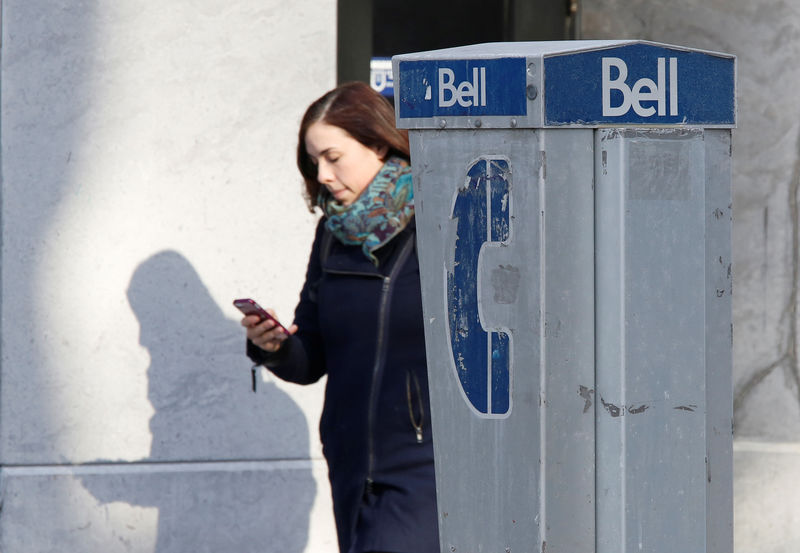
x,y
377,370
417,425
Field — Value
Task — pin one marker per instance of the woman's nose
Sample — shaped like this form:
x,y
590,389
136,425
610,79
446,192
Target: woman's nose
x,y
324,173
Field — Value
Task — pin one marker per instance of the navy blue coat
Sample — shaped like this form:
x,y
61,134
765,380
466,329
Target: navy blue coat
x,y
362,326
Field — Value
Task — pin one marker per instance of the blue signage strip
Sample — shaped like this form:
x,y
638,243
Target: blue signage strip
x,y
639,84
475,87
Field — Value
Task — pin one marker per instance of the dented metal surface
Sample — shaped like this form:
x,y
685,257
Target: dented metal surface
x,y
492,231
663,350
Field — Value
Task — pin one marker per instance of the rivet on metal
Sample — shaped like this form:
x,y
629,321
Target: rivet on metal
x,y
477,123
513,123
442,123
531,91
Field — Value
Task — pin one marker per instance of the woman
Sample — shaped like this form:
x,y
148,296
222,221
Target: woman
x,y
359,321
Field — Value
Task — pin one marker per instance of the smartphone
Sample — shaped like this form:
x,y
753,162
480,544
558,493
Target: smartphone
x,y
250,307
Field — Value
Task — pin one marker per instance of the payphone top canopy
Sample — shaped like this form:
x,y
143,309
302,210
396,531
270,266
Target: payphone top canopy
x,y
565,84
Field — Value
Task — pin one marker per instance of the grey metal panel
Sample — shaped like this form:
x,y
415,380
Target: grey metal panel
x,y
536,48
487,498
719,337
568,356
524,480
654,336
507,49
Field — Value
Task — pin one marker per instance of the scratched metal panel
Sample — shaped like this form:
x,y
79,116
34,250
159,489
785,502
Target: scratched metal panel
x,y
505,221
568,525
656,325
719,384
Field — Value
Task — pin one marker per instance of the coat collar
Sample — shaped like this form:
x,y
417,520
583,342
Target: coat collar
x,y
341,258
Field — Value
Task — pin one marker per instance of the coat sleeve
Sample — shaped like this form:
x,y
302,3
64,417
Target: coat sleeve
x,y
301,358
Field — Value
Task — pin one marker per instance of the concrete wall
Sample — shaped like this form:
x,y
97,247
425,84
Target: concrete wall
x,y
765,35
147,180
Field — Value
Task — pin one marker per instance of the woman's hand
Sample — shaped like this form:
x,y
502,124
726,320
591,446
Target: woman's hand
x,y
267,334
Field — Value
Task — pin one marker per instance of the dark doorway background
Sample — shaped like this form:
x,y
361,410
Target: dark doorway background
x,y
383,28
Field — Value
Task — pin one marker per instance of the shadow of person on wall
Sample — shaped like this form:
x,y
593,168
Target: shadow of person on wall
x,y
210,432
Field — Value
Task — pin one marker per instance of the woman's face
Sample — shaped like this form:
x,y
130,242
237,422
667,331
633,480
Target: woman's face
x,y
344,165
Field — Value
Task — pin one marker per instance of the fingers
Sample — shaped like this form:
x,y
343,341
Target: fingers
x,y
249,321
267,334
270,340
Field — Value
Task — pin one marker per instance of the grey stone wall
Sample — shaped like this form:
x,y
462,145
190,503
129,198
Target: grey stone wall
x,y
765,35
148,179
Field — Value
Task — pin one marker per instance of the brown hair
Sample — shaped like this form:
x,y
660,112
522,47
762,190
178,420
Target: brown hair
x,y
363,114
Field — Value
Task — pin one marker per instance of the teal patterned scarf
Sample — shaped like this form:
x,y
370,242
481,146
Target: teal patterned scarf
x,y
381,212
